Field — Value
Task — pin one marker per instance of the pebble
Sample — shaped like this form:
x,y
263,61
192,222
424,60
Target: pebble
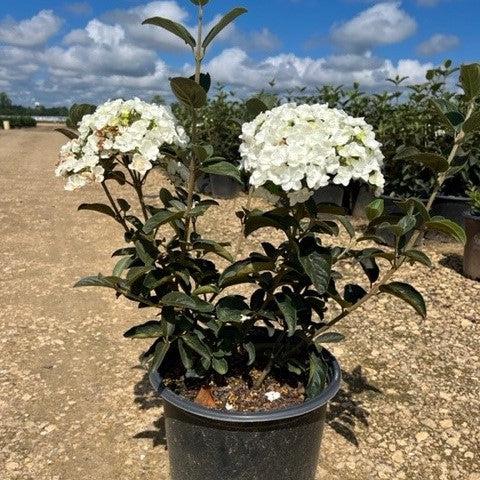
x,y
422,436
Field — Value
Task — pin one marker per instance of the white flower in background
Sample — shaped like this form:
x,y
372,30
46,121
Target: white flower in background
x,y
306,147
129,131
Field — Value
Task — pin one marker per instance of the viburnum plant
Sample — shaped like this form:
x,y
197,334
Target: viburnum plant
x,y
199,322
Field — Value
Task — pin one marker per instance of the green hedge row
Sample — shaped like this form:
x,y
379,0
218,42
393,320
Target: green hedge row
x,y
18,121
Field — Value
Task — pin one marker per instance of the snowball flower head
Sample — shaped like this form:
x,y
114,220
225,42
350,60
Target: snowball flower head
x,y
301,148
130,132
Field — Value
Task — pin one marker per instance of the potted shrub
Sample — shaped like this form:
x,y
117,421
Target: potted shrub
x,y
238,354
471,259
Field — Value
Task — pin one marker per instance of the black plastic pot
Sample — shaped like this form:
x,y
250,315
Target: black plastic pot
x,y
206,444
453,208
224,187
330,194
364,197
471,258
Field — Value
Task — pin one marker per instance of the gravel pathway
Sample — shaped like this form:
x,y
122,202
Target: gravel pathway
x,y
74,405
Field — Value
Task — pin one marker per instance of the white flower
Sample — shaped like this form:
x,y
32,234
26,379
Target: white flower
x,y
132,128
306,147
140,164
272,396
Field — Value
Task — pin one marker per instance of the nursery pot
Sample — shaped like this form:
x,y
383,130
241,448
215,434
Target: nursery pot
x,y
329,194
453,208
471,258
224,187
206,444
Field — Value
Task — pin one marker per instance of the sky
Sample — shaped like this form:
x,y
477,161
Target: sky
x,y
56,52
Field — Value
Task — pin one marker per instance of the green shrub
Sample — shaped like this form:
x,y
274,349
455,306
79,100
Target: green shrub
x,y
18,121
77,112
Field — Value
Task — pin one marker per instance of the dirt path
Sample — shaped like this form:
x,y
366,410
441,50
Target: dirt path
x,y
73,406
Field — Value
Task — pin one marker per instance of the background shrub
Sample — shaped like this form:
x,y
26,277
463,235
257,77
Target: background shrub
x,y
18,121
77,112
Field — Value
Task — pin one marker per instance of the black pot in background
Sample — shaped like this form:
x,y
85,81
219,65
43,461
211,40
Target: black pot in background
x,y
453,208
203,184
206,444
330,194
471,258
364,197
224,187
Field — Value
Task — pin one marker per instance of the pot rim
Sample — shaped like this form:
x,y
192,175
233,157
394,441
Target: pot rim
x,y
471,216
448,198
255,417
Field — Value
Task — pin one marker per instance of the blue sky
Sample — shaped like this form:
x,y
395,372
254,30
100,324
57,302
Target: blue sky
x,y
58,52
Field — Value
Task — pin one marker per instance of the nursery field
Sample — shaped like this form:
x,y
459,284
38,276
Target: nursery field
x,y
409,403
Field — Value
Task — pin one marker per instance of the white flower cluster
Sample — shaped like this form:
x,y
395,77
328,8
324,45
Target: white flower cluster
x,y
305,147
133,130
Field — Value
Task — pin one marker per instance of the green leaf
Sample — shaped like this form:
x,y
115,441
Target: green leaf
x,y
250,349
448,227
98,207
472,125
317,376
256,106
288,309
407,223
375,209
435,162
205,289
161,351
189,92
210,246
121,265
222,168
197,345
418,256
220,365
347,224
182,300
124,205
353,293
257,219
205,81
172,27
161,218
470,80
224,22
408,294
232,309
68,133
239,272
98,281
318,267
184,355
150,329
330,337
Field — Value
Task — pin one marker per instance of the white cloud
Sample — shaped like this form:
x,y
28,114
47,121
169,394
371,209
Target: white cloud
x,y
235,67
103,34
31,32
383,23
438,43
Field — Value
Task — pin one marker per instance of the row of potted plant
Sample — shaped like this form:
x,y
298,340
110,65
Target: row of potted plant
x,y
238,353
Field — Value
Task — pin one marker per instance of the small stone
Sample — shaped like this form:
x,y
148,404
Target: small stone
x,y
446,424
12,466
397,457
272,396
421,436
454,440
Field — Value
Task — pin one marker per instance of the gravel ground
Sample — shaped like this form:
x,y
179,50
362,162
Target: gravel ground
x,y
74,405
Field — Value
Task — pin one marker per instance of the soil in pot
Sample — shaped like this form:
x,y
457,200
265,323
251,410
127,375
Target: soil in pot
x,y
235,392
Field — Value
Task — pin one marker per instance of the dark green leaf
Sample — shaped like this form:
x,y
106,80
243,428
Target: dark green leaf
x,y
408,294
210,246
184,355
173,27
353,293
150,329
435,162
347,225
222,168
205,289
318,267
121,265
250,349
257,219
448,227
330,337
161,218
182,300
224,22
417,256
161,351
205,81
220,365
472,125
197,345
232,309
98,207
375,209
240,271
188,92
317,376
255,106
470,80
288,309
98,281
